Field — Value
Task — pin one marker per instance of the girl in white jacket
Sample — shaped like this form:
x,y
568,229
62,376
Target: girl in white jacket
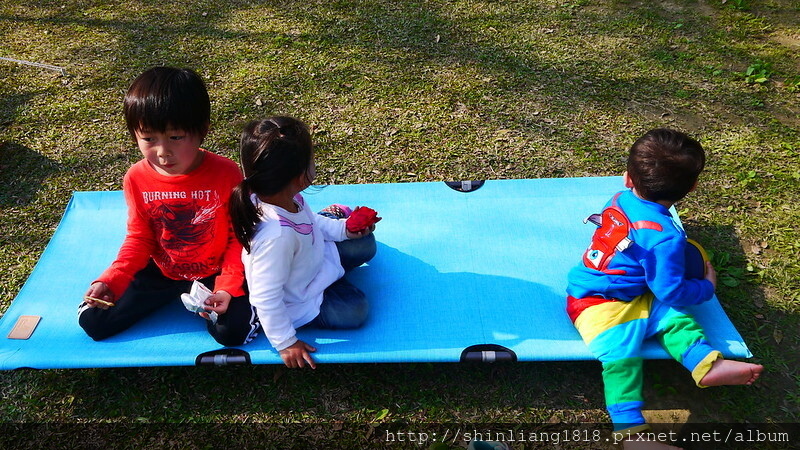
x,y
294,259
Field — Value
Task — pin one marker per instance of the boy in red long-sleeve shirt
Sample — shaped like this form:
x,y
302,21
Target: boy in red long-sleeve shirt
x,y
179,229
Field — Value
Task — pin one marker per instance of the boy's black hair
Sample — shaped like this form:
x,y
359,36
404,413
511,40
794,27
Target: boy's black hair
x,y
163,97
664,164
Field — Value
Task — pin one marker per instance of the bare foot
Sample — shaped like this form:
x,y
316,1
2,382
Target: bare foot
x,y
632,444
725,372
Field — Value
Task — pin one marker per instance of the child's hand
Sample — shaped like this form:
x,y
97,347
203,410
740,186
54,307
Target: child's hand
x,y
99,291
361,222
360,234
297,355
218,302
711,274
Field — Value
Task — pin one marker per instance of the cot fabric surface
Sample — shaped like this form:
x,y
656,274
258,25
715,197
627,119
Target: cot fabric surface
x,y
454,270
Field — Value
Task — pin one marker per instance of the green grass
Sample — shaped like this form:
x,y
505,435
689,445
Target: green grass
x,y
421,91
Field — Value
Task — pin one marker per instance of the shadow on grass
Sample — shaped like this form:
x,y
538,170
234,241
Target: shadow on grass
x,y
9,108
569,392
23,171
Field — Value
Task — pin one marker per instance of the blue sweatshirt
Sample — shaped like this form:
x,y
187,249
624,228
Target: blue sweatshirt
x,y
653,262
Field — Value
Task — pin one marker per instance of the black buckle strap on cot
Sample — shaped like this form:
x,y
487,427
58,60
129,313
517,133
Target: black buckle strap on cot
x,y
488,353
465,186
223,357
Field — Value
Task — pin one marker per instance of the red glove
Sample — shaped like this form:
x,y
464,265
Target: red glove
x,y
361,219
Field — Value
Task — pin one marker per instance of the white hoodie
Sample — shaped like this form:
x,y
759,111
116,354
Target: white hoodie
x,y
292,260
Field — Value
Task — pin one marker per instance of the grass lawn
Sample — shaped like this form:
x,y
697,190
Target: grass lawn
x,y
419,91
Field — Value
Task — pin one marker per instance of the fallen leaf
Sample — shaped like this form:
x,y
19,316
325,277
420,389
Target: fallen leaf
x,y
777,335
382,414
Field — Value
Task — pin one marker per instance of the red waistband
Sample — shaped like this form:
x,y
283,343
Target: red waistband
x,y
575,306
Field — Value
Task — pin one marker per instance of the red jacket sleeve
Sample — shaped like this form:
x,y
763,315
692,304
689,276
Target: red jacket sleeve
x,y
139,244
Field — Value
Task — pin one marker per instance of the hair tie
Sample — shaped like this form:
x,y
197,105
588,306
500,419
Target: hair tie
x,y
277,127
285,130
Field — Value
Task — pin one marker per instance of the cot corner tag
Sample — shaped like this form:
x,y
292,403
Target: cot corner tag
x,y
24,327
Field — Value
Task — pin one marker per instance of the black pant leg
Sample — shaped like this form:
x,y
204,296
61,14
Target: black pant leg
x,y
149,291
238,326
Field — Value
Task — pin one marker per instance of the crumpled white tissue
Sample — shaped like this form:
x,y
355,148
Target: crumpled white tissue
x,y
194,301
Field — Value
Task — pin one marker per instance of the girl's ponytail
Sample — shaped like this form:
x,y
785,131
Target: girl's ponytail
x,y
244,215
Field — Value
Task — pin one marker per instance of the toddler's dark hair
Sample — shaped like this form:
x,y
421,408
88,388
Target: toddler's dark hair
x,y
273,152
664,164
164,97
